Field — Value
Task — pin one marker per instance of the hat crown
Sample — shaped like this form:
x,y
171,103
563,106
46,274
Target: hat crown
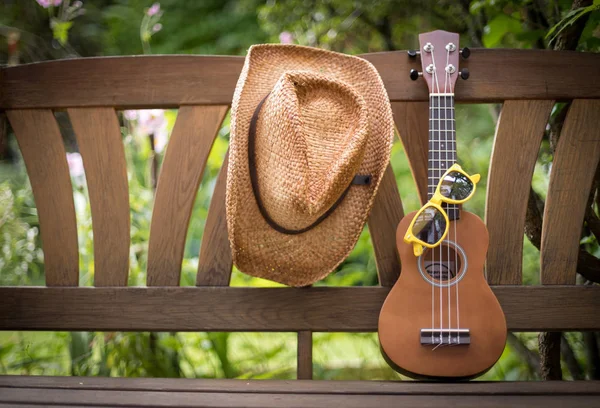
x,y
311,133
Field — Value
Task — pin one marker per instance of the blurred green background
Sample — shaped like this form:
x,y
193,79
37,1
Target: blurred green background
x,y
51,29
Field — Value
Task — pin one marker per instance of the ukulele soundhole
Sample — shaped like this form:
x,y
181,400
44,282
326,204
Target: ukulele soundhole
x,y
444,265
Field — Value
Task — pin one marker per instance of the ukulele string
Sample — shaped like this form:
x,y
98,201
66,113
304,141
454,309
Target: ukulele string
x,y
439,175
447,80
431,179
455,206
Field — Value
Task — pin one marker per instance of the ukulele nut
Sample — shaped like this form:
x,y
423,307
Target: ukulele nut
x,y
430,68
450,47
450,69
428,47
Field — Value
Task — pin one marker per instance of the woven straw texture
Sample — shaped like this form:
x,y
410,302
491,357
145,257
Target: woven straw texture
x,y
327,118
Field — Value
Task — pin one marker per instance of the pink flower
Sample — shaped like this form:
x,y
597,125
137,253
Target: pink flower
x,y
153,121
286,38
154,9
75,165
44,3
130,114
48,3
157,28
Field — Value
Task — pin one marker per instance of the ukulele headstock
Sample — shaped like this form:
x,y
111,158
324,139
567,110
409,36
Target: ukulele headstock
x,y
439,54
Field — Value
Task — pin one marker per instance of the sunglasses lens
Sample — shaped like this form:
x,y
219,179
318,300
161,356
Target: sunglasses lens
x,y
430,226
456,186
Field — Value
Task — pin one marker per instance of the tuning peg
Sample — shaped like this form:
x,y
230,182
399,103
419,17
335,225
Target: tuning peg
x,y
413,53
464,74
414,74
465,52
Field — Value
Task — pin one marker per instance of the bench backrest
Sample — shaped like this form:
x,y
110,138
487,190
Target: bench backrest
x,y
90,90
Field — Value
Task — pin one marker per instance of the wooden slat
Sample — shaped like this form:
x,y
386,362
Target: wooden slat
x,y
303,387
291,400
171,81
384,218
500,74
412,122
193,135
122,82
215,262
554,308
43,150
575,161
516,145
305,362
99,140
41,404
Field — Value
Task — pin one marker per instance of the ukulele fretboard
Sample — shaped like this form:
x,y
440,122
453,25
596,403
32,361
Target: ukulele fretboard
x,y
442,137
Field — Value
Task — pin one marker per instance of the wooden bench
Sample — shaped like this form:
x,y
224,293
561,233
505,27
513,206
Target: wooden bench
x,y
527,82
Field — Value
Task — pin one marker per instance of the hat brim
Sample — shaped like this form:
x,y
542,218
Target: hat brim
x,y
299,260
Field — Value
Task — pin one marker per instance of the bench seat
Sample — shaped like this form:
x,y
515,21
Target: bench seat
x,y
89,93
31,391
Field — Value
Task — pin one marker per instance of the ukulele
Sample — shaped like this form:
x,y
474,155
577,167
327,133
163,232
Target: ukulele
x,y
441,320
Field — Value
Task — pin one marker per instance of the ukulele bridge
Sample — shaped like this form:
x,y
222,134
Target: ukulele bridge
x,y
434,337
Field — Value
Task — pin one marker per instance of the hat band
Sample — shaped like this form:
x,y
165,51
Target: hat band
x,y
357,180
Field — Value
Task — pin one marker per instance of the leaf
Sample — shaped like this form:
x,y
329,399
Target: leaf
x,y
571,17
60,30
496,29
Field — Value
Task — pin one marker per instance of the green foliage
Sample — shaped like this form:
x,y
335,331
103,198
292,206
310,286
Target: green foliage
x,y
571,17
117,27
21,258
499,27
60,30
191,27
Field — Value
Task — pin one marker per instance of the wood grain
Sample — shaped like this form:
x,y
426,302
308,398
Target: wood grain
x,y
44,154
499,74
171,81
438,40
292,400
554,308
516,145
385,215
409,308
193,135
575,161
122,82
215,262
99,139
196,385
412,122
304,360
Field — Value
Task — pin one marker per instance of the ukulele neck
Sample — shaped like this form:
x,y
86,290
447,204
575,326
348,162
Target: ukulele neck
x,y
442,142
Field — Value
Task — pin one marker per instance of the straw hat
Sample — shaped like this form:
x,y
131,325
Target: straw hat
x,y
311,133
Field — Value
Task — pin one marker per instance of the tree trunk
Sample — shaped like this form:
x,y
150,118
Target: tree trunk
x,y
550,355
549,343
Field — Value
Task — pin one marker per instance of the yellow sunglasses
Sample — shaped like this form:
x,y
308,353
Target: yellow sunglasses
x,y
430,224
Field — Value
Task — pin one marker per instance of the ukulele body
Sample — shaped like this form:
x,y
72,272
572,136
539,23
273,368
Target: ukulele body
x,y
408,308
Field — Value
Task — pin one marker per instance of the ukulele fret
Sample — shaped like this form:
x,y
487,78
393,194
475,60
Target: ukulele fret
x,y
442,137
